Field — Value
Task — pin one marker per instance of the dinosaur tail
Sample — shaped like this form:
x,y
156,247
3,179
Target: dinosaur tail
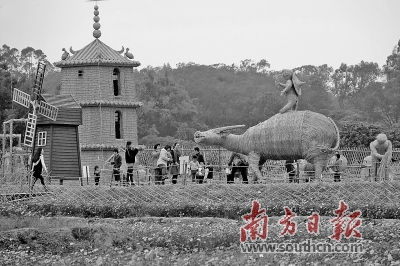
x,y
337,136
337,143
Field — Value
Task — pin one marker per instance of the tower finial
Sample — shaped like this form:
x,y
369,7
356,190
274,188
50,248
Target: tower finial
x,y
96,24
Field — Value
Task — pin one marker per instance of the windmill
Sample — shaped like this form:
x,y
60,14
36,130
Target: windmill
x,y
39,106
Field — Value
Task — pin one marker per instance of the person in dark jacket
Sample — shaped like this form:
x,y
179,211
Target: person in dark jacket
x,y
291,170
175,165
37,167
130,155
200,157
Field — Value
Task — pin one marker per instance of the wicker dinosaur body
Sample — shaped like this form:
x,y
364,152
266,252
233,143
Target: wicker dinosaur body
x,y
292,135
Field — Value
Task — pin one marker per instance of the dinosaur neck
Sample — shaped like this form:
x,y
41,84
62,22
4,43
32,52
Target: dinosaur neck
x,y
234,143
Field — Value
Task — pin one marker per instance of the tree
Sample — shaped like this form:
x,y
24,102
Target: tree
x,y
381,100
315,96
249,65
350,81
167,106
362,134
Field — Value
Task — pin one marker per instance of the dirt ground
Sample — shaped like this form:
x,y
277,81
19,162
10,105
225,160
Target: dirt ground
x,y
171,241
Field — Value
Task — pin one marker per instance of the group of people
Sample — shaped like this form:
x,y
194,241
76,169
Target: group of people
x,y
116,162
166,161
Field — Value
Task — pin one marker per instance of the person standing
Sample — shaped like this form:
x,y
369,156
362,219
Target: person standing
x,y
291,170
194,167
162,162
96,175
130,157
37,166
200,157
116,163
175,167
239,164
155,155
336,167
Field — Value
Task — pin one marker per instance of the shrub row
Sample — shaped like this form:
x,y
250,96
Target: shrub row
x,y
220,210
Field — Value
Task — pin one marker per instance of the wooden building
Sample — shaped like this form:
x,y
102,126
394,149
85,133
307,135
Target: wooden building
x,y
60,138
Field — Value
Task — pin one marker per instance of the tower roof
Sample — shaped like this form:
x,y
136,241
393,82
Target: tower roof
x,y
61,101
97,53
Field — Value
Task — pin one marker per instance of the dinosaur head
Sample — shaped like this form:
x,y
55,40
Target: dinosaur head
x,y
214,136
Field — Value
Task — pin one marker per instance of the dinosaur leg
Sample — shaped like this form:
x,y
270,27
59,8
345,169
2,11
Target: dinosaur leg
x,y
319,167
318,171
254,160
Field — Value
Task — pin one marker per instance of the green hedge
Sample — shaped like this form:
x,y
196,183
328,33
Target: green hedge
x,y
221,210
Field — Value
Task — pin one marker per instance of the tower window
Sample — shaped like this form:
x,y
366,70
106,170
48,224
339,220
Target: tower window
x,y
116,82
80,73
118,125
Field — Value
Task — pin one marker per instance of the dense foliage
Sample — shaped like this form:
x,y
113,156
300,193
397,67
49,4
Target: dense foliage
x,y
178,101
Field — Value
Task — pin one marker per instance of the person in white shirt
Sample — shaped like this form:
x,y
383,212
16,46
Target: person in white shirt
x,y
162,162
195,168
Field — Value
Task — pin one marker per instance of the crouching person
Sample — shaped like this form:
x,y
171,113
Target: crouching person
x,y
239,164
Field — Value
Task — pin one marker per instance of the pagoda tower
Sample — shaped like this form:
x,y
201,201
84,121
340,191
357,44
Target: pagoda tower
x,y
101,81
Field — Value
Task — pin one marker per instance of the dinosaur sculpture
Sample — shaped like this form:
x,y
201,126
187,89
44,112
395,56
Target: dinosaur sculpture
x,y
292,135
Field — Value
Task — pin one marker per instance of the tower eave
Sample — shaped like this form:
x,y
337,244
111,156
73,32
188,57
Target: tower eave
x,y
62,64
110,103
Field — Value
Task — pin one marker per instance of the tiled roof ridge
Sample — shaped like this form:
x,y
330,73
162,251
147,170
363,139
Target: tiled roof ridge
x,y
101,146
95,53
110,103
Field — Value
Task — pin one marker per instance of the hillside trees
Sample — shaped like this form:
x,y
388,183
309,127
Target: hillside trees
x,y
168,109
350,81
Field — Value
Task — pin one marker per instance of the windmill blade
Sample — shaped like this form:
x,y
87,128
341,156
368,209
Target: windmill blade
x,y
30,130
37,87
21,98
48,110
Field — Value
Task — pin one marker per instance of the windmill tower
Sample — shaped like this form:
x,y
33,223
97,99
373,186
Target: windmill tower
x,y
101,80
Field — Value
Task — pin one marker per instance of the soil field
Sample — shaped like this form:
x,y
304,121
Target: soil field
x,y
177,241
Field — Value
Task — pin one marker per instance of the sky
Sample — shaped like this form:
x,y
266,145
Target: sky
x,y
287,33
